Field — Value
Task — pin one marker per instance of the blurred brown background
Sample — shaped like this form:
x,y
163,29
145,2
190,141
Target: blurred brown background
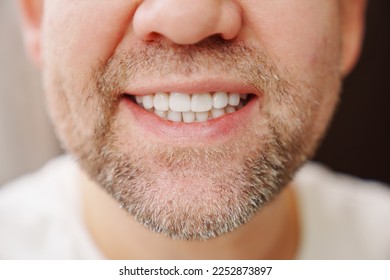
x,y
357,142
359,139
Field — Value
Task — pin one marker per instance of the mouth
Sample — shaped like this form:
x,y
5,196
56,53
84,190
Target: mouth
x,y
189,108
195,116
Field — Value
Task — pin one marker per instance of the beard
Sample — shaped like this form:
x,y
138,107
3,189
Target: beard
x,y
190,192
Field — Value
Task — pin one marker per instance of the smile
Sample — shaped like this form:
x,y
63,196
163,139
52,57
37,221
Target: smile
x,y
195,113
190,108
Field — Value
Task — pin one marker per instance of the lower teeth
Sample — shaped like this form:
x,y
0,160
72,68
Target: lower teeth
x,y
190,117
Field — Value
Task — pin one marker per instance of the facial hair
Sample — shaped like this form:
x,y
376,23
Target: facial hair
x,y
195,192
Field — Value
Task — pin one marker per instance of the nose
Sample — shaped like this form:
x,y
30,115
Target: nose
x,y
187,21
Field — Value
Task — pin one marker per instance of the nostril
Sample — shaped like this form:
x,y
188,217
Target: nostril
x,y
152,36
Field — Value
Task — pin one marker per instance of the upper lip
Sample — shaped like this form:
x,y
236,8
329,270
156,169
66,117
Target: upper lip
x,y
191,86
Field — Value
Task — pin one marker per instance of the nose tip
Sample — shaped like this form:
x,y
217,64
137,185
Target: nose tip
x,y
187,21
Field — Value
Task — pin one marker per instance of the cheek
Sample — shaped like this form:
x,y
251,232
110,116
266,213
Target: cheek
x,y
82,34
77,37
302,35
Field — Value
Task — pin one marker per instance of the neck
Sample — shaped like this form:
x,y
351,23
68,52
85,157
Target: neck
x,y
271,234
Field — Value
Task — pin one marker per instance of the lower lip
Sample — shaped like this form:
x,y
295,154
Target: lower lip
x,y
218,129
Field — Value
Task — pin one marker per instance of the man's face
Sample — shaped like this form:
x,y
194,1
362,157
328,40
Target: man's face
x,y
189,178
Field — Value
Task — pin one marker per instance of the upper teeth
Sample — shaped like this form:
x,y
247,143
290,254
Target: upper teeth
x,y
177,106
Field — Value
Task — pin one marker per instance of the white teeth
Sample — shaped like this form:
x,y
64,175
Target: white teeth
x,y
216,113
161,114
188,117
202,116
220,100
174,116
188,108
147,101
138,98
180,102
161,101
201,102
234,99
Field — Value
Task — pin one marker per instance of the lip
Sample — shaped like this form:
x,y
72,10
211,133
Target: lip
x,y
192,86
150,126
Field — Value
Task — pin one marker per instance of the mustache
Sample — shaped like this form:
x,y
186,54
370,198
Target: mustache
x,y
160,59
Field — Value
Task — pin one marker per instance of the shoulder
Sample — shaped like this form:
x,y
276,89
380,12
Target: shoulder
x,y
40,213
31,189
58,166
34,188
342,216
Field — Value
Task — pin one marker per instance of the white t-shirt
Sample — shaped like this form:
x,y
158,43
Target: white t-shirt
x,y
341,217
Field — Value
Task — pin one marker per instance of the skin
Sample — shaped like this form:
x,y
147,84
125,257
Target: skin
x,y
293,54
